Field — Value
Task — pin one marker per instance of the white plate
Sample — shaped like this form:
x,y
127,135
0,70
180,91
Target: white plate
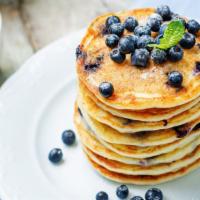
x,y
36,105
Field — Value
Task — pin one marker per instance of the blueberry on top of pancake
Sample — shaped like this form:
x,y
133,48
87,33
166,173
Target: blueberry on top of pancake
x,y
144,86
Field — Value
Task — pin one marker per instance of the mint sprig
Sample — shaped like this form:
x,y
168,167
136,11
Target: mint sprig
x,y
172,35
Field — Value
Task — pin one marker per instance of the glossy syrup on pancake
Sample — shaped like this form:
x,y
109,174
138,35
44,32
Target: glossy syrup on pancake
x,y
150,115
136,88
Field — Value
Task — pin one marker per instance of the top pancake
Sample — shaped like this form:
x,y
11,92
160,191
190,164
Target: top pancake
x,y
136,88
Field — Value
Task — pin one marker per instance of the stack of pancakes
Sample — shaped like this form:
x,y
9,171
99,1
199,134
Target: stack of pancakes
x,y
147,132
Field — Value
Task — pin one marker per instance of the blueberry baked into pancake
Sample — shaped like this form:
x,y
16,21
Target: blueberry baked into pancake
x,y
137,111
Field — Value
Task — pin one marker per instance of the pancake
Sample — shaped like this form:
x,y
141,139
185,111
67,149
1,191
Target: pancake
x,y
149,152
90,141
149,115
127,126
141,179
143,126
122,168
144,152
135,88
148,138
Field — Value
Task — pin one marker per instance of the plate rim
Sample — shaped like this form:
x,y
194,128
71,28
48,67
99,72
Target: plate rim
x,y
21,69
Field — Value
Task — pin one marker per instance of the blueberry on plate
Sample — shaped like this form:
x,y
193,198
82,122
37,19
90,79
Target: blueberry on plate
x,y
165,12
144,40
158,56
101,196
137,198
193,26
122,192
175,79
130,24
154,22
68,137
140,57
112,40
154,194
175,53
55,155
188,41
116,29
112,20
142,30
117,56
162,29
126,45
106,89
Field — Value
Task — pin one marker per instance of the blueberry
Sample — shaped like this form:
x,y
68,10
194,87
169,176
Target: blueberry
x,y
162,29
130,24
197,67
157,16
175,53
175,79
116,29
102,196
165,12
188,41
126,45
154,194
122,192
140,57
112,20
55,155
79,52
112,40
158,56
193,26
144,40
134,39
154,22
157,39
117,56
177,17
68,137
106,89
91,66
137,198
142,30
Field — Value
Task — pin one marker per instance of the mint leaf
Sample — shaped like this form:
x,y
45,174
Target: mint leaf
x,y
172,35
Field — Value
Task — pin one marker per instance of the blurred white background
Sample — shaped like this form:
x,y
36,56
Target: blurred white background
x,y
29,25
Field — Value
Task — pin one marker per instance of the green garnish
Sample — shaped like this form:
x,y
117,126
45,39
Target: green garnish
x,y
172,35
